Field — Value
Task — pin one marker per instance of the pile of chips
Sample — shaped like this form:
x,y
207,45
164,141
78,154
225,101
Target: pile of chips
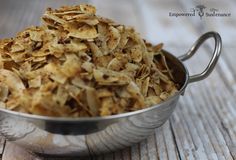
x,y
78,64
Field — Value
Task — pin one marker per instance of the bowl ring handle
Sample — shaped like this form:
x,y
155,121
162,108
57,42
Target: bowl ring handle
x,y
214,59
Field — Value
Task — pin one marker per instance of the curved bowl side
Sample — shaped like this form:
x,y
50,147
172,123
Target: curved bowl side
x,y
84,136
106,137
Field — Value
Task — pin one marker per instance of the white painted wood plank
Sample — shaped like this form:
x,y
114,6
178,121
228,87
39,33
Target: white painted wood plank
x,y
203,114
203,128
170,142
118,155
192,145
161,146
212,123
152,148
165,143
109,156
2,145
135,152
13,152
126,154
218,87
143,150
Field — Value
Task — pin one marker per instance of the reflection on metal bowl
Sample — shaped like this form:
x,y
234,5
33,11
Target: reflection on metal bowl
x,y
96,135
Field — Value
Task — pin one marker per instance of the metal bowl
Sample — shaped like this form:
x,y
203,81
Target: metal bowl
x,y
89,136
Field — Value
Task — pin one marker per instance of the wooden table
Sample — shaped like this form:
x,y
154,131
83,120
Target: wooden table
x,y
203,125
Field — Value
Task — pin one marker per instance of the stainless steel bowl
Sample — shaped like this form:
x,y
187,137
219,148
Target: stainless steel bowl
x,y
86,136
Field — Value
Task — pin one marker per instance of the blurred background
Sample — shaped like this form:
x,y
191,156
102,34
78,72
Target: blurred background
x,y
149,17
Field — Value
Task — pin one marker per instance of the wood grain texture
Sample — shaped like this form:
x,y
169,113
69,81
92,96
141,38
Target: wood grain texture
x,y
2,145
203,125
17,153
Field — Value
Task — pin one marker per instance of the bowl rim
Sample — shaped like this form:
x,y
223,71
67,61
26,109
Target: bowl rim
x,y
99,118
